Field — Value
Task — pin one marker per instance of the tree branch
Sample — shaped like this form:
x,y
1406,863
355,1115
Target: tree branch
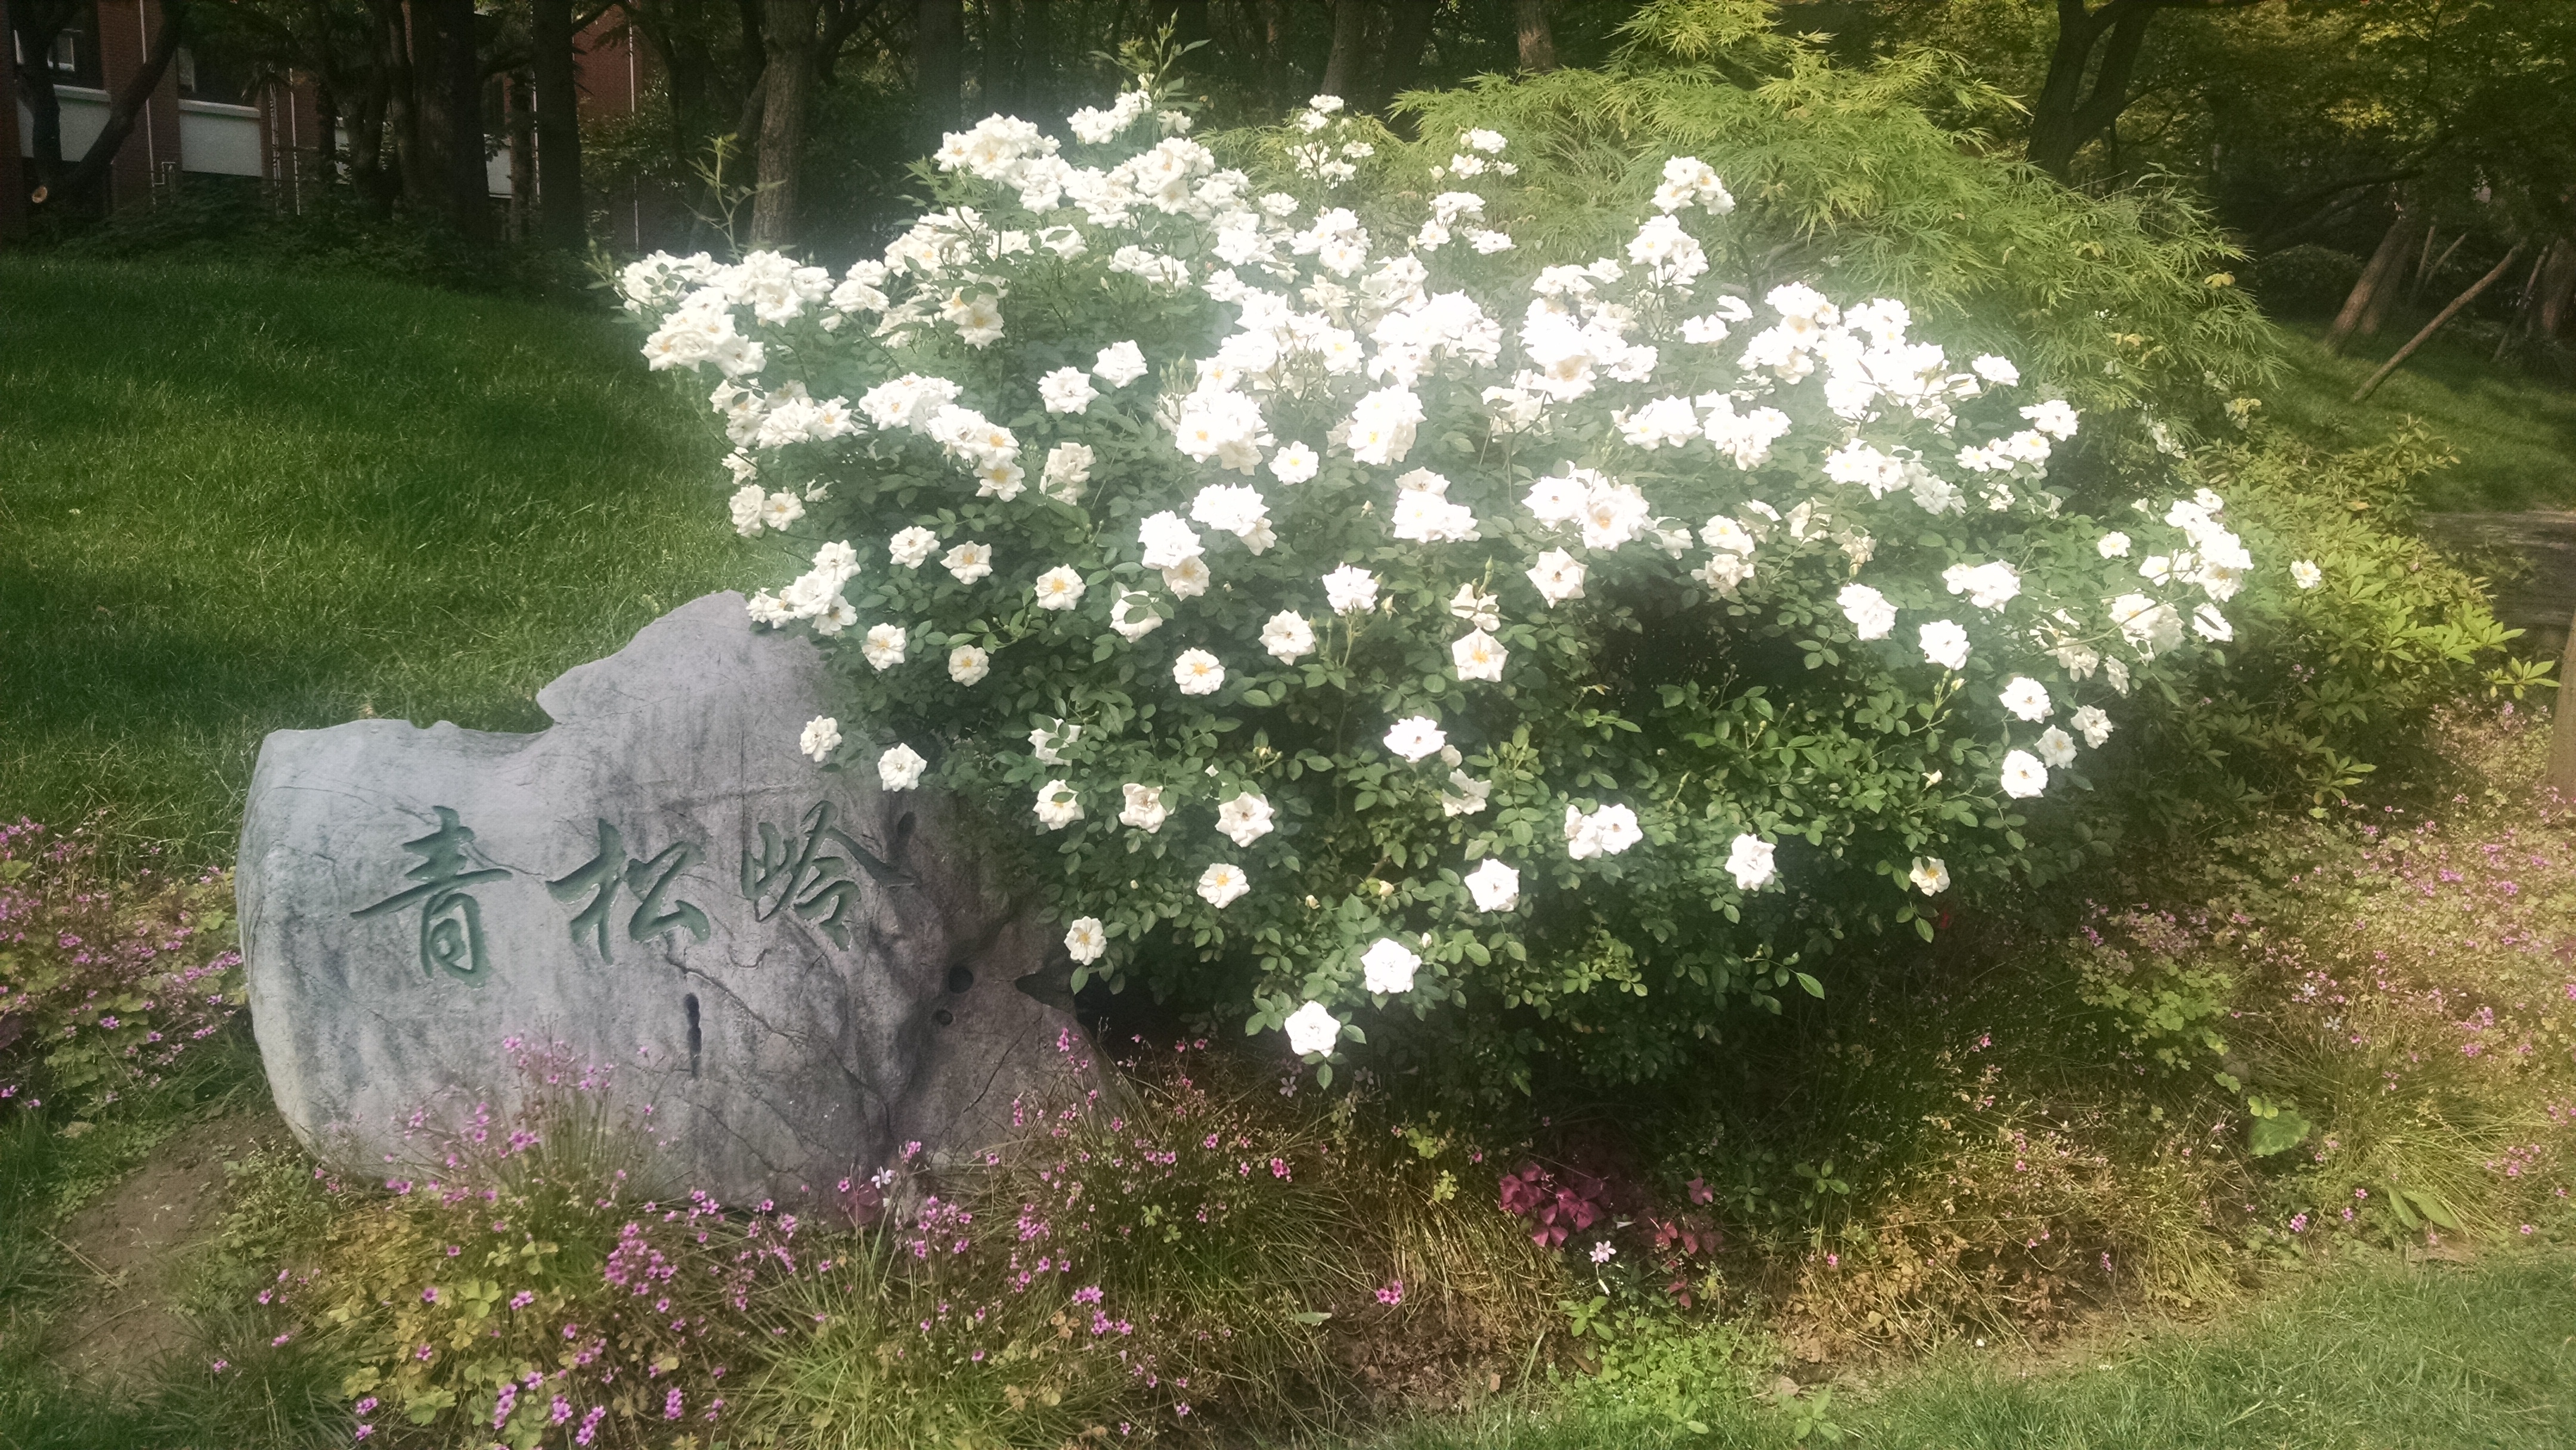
x,y
129,103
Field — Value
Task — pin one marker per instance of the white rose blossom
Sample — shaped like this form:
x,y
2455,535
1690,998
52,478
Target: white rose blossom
x,y
1388,966
900,768
1087,940
1221,885
1312,1029
1750,860
1494,886
822,736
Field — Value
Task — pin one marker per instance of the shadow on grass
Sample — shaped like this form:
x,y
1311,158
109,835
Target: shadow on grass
x,y
240,502
2514,429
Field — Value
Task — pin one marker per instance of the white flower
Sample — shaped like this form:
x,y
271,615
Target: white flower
x,y
1613,514
1750,862
1221,884
883,645
1120,364
1294,463
1495,886
1060,587
1231,508
1066,390
1388,966
2091,723
1188,579
1311,1029
2055,747
968,665
1047,744
1068,468
2026,698
822,736
900,768
2053,418
1994,370
1471,793
1198,673
1868,610
1167,540
1145,810
1087,940
1127,616
1058,807
1558,498
1944,644
1988,586
1350,589
1415,736
1244,819
2210,625
913,547
1931,875
1606,832
1476,607
781,509
2023,775
1479,656
1558,577
2308,575
1288,637
2114,545
969,562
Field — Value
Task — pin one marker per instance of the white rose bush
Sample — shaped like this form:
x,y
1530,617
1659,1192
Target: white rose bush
x,y
1379,622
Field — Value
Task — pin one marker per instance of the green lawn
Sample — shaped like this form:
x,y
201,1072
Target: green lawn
x,y
235,501
2437,1357
2515,433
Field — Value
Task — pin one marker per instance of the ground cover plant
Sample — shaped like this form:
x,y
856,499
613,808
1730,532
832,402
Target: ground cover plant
x,y
263,504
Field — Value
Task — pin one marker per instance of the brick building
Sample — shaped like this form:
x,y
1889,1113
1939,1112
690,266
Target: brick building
x,y
199,122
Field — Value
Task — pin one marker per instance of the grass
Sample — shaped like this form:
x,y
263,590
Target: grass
x,y
236,501
2515,431
2382,1358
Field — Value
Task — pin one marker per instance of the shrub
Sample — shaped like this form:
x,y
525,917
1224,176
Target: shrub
x,y
1373,749
2306,280
107,988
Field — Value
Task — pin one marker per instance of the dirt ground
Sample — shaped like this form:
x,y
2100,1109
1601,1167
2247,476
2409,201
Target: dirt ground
x,y
136,1240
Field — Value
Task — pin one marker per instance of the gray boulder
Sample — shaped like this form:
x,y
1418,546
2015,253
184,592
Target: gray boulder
x,y
796,972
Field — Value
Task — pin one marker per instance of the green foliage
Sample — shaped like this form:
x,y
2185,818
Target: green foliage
x,y
2304,281
1852,179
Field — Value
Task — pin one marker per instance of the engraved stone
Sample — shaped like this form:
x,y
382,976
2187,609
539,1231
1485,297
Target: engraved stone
x,y
799,973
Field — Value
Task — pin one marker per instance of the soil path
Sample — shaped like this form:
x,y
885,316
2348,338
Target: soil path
x,y
136,1241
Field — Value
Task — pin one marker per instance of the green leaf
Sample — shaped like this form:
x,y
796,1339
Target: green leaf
x,y
1814,988
2282,1131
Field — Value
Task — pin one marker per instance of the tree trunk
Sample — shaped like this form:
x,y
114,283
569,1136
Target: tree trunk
x,y
519,123
1274,56
2366,306
391,150
127,107
1405,40
2557,290
13,180
1350,41
2066,114
1537,37
785,82
461,77
2445,315
565,215
938,69
34,32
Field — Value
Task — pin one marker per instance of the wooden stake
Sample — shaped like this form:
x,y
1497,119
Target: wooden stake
x,y
2561,774
2445,315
